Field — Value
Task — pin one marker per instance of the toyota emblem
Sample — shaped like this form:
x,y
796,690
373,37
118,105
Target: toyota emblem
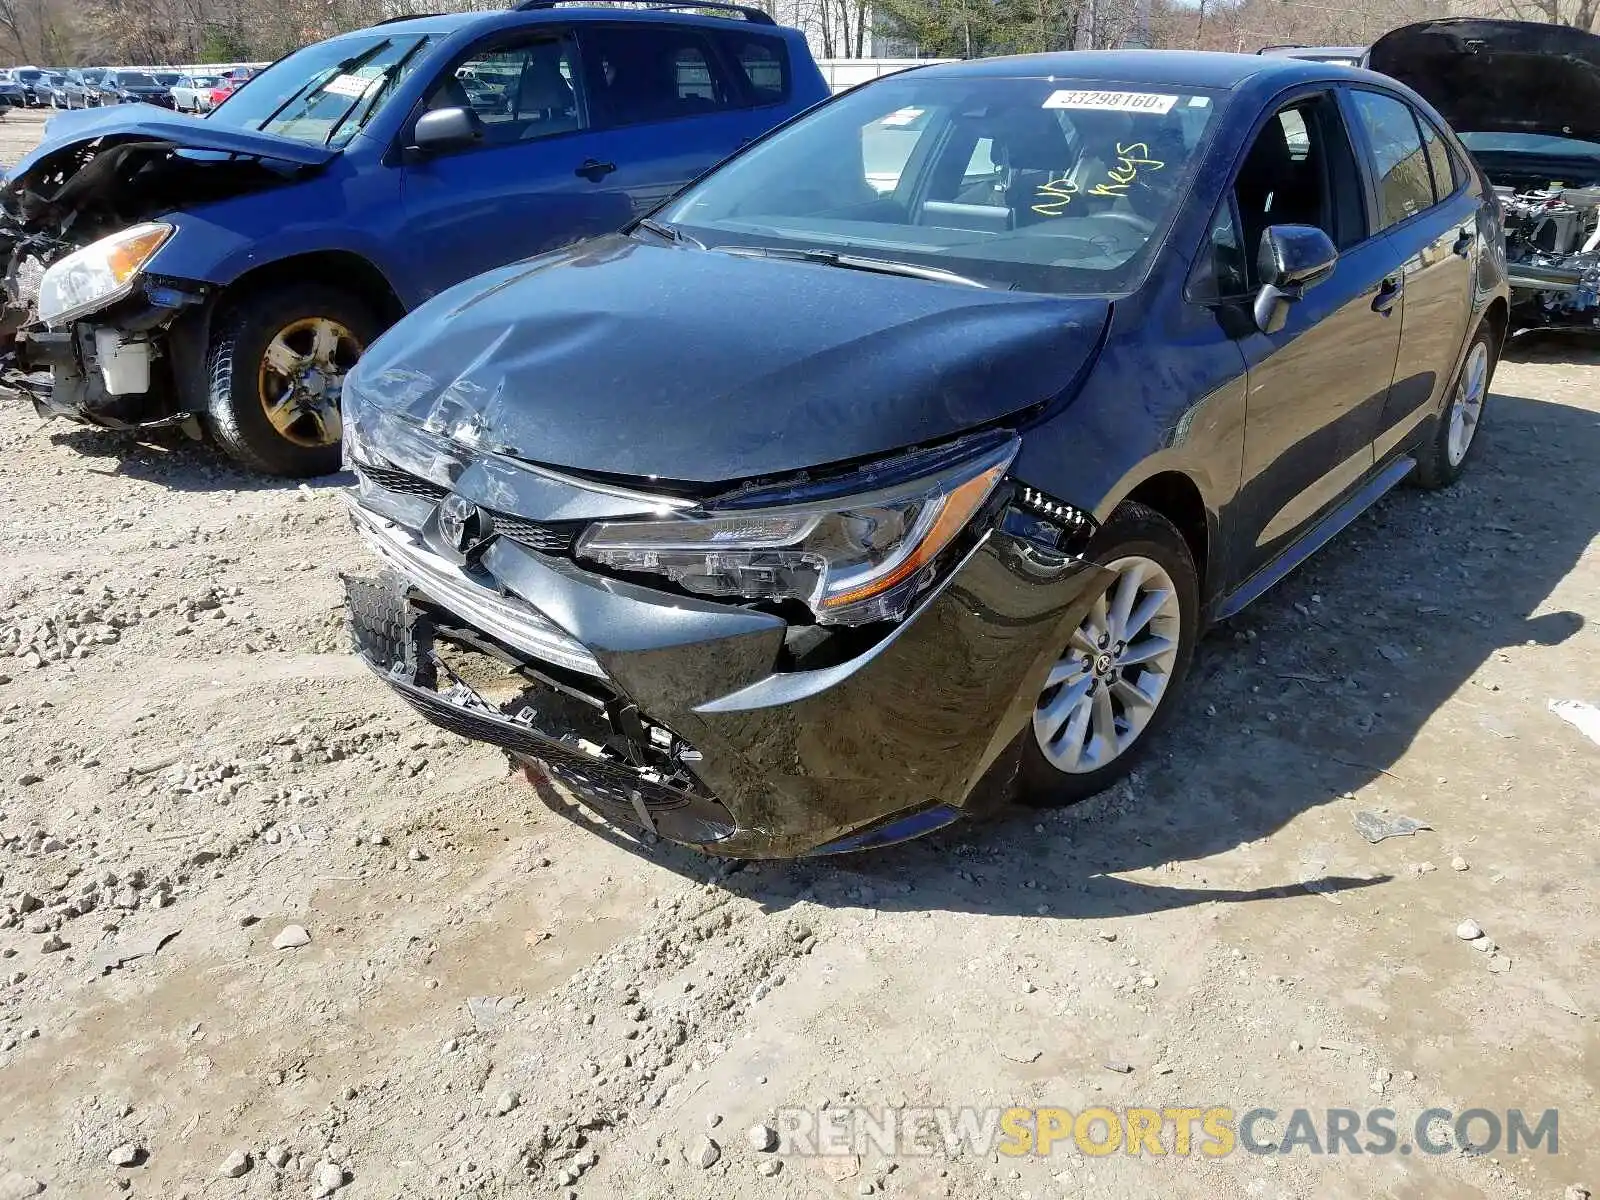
x,y
462,524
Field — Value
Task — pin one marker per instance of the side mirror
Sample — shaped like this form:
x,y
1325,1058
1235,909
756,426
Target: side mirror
x,y
1290,259
446,129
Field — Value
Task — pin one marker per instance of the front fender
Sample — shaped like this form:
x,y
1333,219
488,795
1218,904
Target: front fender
x,y
341,210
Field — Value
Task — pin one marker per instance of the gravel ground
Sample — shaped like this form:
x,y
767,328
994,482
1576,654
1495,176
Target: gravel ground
x,y
263,932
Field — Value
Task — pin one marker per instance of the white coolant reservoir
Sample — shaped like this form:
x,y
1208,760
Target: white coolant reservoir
x,y
124,362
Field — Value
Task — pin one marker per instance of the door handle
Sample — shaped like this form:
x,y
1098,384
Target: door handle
x,y
594,170
1464,240
1388,293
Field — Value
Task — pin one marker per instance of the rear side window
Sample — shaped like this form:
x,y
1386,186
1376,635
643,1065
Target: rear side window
x,y
762,61
659,73
1439,160
1405,187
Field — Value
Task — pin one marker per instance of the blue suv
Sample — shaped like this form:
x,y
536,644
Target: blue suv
x,y
222,274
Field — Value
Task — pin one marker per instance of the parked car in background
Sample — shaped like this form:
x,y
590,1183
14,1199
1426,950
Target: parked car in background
x,y
1525,98
12,93
233,287
192,93
36,90
228,83
67,92
141,87
101,84
892,492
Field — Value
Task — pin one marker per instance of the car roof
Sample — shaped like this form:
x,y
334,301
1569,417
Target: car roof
x,y
1168,68
445,23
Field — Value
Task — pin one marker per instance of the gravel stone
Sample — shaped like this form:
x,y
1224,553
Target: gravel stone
x,y
762,1137
1469,930
126,1155
292,936
235,1165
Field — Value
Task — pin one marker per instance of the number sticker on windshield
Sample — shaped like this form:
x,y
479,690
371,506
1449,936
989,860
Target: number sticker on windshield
x,y
353,86
1135,102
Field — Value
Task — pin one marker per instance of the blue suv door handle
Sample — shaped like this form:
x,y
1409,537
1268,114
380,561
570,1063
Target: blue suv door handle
x,y
594,170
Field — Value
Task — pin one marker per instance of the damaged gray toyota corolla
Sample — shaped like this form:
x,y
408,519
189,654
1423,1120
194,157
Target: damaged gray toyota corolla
x,y
914,446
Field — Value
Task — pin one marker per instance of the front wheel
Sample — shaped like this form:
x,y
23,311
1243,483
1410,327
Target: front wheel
x,y
1441,459
277,367
1118,677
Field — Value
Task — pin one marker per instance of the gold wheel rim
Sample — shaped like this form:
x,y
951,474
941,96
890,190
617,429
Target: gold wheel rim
x,y
301,376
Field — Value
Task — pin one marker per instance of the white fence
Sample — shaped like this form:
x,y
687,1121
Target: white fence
x,y
842,73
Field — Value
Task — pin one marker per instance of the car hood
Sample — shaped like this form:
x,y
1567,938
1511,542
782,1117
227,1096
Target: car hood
x,y
624,358
147,122
1499,76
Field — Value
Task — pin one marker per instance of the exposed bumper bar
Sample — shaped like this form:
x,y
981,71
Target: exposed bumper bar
x,y
450,587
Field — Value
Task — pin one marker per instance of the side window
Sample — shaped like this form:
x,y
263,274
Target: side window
x,y
764,62
1440,163
655,74
521,91
1220,267
1404,185
1300,170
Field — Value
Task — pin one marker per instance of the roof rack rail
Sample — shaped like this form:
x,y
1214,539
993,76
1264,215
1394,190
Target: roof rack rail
x,y
754,15
404,17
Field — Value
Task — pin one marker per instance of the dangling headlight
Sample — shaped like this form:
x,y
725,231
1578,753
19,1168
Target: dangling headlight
x,y
854,550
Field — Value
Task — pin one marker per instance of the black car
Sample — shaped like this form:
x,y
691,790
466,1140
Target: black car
x,y
141,87
917,444
1525,99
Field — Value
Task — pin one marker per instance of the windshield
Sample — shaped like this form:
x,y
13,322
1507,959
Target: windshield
x,y
1529,143
324,93
136,79
30,76
1043,185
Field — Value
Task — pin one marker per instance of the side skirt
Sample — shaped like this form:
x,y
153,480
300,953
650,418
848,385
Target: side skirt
x,y
1315,538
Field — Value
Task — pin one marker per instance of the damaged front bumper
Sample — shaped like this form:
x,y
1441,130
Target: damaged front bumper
x,y
683,718
124,368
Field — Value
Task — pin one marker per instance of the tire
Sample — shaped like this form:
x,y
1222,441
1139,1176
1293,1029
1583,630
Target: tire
x,y
1134,534
239,377
1441,459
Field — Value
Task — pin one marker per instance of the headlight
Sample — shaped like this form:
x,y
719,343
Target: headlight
x,y
99,274
854,550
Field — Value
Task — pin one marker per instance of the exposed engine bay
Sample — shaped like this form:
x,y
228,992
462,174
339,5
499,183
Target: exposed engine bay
x,y
1553,255
114,368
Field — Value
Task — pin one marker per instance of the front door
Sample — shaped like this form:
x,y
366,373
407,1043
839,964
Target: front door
x,y
524,189
1316,384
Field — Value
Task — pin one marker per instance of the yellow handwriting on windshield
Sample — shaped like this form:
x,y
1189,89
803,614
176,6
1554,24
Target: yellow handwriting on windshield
x,y
1054,195
1130,159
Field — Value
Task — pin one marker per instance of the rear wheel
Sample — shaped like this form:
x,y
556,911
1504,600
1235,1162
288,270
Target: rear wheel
x,y
277,370
1441,460
1118,677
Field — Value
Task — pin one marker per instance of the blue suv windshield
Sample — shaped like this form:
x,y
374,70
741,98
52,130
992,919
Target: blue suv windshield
x,y
1049,185
324,93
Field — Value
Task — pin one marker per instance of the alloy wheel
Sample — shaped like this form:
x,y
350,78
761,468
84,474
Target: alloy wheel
x,y
1466,406
301,377
1103,692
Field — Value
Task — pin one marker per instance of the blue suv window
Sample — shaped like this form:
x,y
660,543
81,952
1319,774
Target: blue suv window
x,y
763,61
520,91
326,92
658,73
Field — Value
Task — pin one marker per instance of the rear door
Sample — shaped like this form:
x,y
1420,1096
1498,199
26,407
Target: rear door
x,y
669,102
1429,208
524,189
1316,384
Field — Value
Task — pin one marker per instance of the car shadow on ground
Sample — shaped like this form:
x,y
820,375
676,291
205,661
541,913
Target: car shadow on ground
x,y
1312,694
171,460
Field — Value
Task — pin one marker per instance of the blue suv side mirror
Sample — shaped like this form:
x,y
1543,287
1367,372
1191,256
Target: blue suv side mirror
x,y
446,129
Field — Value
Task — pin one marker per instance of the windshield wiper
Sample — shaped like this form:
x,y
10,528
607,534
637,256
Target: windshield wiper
x,y
855,262
671,232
